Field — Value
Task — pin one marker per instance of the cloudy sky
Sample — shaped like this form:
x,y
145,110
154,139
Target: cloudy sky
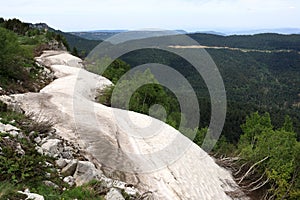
x,y
190,15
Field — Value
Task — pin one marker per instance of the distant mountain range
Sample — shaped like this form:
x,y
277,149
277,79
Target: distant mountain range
x,y
285,31
105,34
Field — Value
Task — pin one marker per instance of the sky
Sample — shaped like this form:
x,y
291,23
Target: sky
x,y
189,15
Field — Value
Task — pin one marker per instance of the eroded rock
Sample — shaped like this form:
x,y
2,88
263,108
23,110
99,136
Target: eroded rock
x,y
114,194
50,184
192,175
70,168
32,196
51,147
85,172
69,180
61,163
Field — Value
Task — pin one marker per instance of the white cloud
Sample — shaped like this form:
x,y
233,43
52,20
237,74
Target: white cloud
x,y
169,14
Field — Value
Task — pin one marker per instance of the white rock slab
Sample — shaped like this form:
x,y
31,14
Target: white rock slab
x,y
149,153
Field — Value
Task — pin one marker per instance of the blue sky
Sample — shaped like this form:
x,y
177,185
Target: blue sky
x,y
190,15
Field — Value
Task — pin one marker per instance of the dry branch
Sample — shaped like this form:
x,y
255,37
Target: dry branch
x,y
259,185
250,169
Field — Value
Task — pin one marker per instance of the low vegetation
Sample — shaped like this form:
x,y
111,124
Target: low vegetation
x,y
21,166
269,158
19,43
140,100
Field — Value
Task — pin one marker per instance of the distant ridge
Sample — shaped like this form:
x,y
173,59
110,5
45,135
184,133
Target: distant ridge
x,y
210,32
105,34
284,31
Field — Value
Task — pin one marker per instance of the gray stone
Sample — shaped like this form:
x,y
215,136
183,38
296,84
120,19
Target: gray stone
x,y
61,163
50,184
119,185
70,168
114,194
21,135
38,140
67,155
47,164
68,148
11,102
44,140
13,133
69,180
85,172
61,149
39,150
19,150
50,147
8,128
48,175
47,71
31,196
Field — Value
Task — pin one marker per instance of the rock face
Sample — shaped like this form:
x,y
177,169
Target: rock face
x,y
51,147
32,196
114,194
70,168
160,161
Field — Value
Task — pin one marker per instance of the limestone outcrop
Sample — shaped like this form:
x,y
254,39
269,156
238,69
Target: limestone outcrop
x,y
161,162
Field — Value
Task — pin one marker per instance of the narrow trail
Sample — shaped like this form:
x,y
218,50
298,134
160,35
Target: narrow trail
x,y
234,49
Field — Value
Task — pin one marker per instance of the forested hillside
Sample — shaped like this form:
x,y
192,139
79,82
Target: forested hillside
x,y
266,41
254,81
19,44
260,139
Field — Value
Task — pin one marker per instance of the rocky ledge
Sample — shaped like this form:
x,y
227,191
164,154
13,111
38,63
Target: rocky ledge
x,y
109,148
70,163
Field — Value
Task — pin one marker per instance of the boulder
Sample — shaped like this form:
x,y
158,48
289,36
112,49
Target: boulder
x,y
85,172
39,150
19,150
114,194
8,128
70,168
13,133
51,147
50,184
38,140
61,163
32,196
69,180
11,102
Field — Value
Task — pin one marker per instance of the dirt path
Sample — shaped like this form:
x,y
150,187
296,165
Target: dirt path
x,y
233,49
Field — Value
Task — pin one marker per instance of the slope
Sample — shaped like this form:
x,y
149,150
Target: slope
x,y
164,162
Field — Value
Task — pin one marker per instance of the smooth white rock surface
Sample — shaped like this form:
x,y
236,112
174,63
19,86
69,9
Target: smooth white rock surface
x,y
109,136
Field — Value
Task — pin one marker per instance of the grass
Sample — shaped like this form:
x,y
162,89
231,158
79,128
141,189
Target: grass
x,y
87,191
10,191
